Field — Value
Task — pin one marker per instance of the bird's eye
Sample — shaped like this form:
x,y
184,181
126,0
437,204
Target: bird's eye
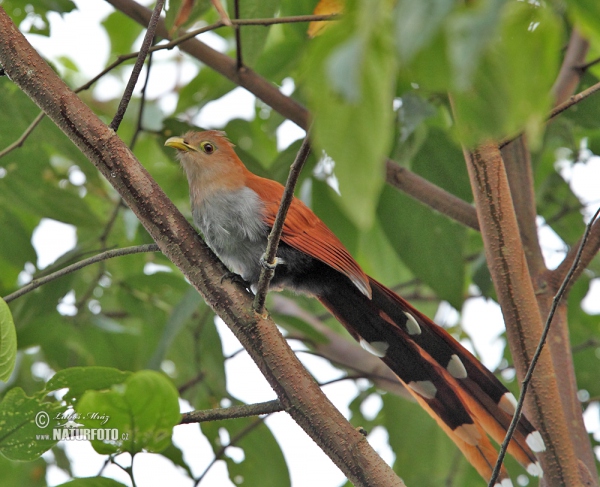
x,y
207,147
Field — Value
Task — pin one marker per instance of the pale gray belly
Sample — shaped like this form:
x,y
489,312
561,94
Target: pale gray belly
x,y
232,226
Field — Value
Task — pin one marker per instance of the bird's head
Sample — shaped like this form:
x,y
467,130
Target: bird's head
x,y
209,161
201,148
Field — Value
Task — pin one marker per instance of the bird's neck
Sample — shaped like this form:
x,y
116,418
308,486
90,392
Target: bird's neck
x,y
206,181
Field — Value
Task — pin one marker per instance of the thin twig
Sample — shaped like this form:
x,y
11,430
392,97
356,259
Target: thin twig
x,y
573,100
137,68
525,384
269,259
238,36
109,254
138,127
21,140
241,411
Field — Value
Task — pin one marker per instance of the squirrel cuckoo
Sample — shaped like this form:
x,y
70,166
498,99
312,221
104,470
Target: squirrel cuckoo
x,y
235,210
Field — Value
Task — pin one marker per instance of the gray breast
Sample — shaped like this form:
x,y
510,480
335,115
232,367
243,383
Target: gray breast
x,y
232,225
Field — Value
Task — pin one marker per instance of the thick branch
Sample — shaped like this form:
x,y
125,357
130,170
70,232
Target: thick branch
x,y
516,296
517,162
294,387
538,352
570,71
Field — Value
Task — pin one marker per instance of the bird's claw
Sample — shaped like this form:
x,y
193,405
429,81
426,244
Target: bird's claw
x,y
233,277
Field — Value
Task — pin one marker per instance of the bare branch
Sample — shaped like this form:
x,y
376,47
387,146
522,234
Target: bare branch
x,y
241,411
137,68
517,163
269,260
431,195
109,254
570,71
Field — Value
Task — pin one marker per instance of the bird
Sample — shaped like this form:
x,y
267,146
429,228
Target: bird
x,y
235,210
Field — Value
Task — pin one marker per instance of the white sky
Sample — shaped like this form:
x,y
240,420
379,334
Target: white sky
x,y
78,34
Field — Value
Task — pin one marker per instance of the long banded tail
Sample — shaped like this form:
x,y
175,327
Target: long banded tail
x,y
465,398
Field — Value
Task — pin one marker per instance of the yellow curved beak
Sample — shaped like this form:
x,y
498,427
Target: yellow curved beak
x,y
179,144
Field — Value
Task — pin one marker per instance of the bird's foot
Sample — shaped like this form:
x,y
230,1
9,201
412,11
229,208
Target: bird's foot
x,y
233,277
268,265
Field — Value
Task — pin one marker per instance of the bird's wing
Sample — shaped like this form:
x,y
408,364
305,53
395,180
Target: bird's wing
x,y
304,231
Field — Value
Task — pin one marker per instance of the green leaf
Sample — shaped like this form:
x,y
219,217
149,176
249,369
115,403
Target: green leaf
x,y
81,379
350,84
143,410
31,474
586,15
182,312
416,23
8,342
429,244
122,32
27,425
92,482
469,34
511,87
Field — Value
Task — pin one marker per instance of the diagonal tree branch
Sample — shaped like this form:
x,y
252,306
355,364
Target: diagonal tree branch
x,y
137,68
295,388
509,270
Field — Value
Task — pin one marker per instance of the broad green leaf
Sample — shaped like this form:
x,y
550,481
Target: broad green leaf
x,y
122,32
586,15
350,82
416,23
143,410
81,379
469,33
8,342
180,315
27,425
429,244
15,244
92,482
207,86
511,86
31,474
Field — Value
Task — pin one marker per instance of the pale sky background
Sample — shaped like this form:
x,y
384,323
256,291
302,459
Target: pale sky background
x,y
76,35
